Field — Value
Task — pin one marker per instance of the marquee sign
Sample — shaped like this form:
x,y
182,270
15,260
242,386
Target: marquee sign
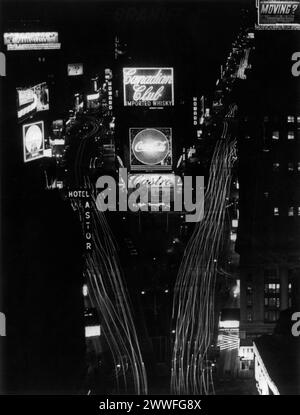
x,y
148,87
31,40
150,148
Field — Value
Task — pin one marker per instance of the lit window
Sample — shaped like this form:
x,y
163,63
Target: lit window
x,y
291,135
235,223
85,290
298,119
291,211
275,135
276,211
233,236
276,166
266,195
290,166
249,316
199,133
247,137
298,210
290,118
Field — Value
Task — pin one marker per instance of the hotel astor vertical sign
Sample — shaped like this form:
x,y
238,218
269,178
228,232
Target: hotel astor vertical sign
x,y
148,87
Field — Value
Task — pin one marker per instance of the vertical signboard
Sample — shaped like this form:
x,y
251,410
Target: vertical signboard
x,y
33,141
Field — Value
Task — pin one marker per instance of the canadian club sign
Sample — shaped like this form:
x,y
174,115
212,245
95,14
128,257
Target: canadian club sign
x,y
148,87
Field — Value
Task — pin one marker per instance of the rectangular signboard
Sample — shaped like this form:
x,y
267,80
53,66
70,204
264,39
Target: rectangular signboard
x,y
148,87
75,69
278,13
31,40
33,141
33,99
150,149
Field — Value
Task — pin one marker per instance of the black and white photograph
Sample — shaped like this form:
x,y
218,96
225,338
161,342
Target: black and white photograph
x,y
150,203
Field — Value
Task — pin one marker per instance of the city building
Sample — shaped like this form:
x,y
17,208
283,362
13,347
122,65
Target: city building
x,y
269,198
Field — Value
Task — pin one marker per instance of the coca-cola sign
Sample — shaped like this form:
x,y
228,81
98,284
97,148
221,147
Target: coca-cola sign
x,y
150,148
148,87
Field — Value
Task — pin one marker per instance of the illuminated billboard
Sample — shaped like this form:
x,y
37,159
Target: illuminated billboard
x,y
32,100
150,148
148,87
75,69
161,191
33,141
31,40
278,14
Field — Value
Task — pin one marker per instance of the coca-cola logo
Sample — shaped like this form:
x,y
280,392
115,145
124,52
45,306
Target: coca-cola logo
x,y
150,146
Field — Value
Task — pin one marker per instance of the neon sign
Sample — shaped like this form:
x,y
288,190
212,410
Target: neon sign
x,y
152,87
150,148
33,141
31,40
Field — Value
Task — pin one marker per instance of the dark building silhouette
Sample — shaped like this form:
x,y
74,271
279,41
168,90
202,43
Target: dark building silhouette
x,y
269,175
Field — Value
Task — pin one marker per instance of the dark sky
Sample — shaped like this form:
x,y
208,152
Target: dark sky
x,y
192,36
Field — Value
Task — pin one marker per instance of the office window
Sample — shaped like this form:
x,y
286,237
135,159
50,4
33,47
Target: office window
x,y
275,135
290,118
272,301
249,295
291,211
276,166
271,316
235,223
291,135
290,166
233,237
270,273
249,289
272,288
276,211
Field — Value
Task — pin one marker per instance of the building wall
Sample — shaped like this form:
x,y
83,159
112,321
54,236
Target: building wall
x,y
269,226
